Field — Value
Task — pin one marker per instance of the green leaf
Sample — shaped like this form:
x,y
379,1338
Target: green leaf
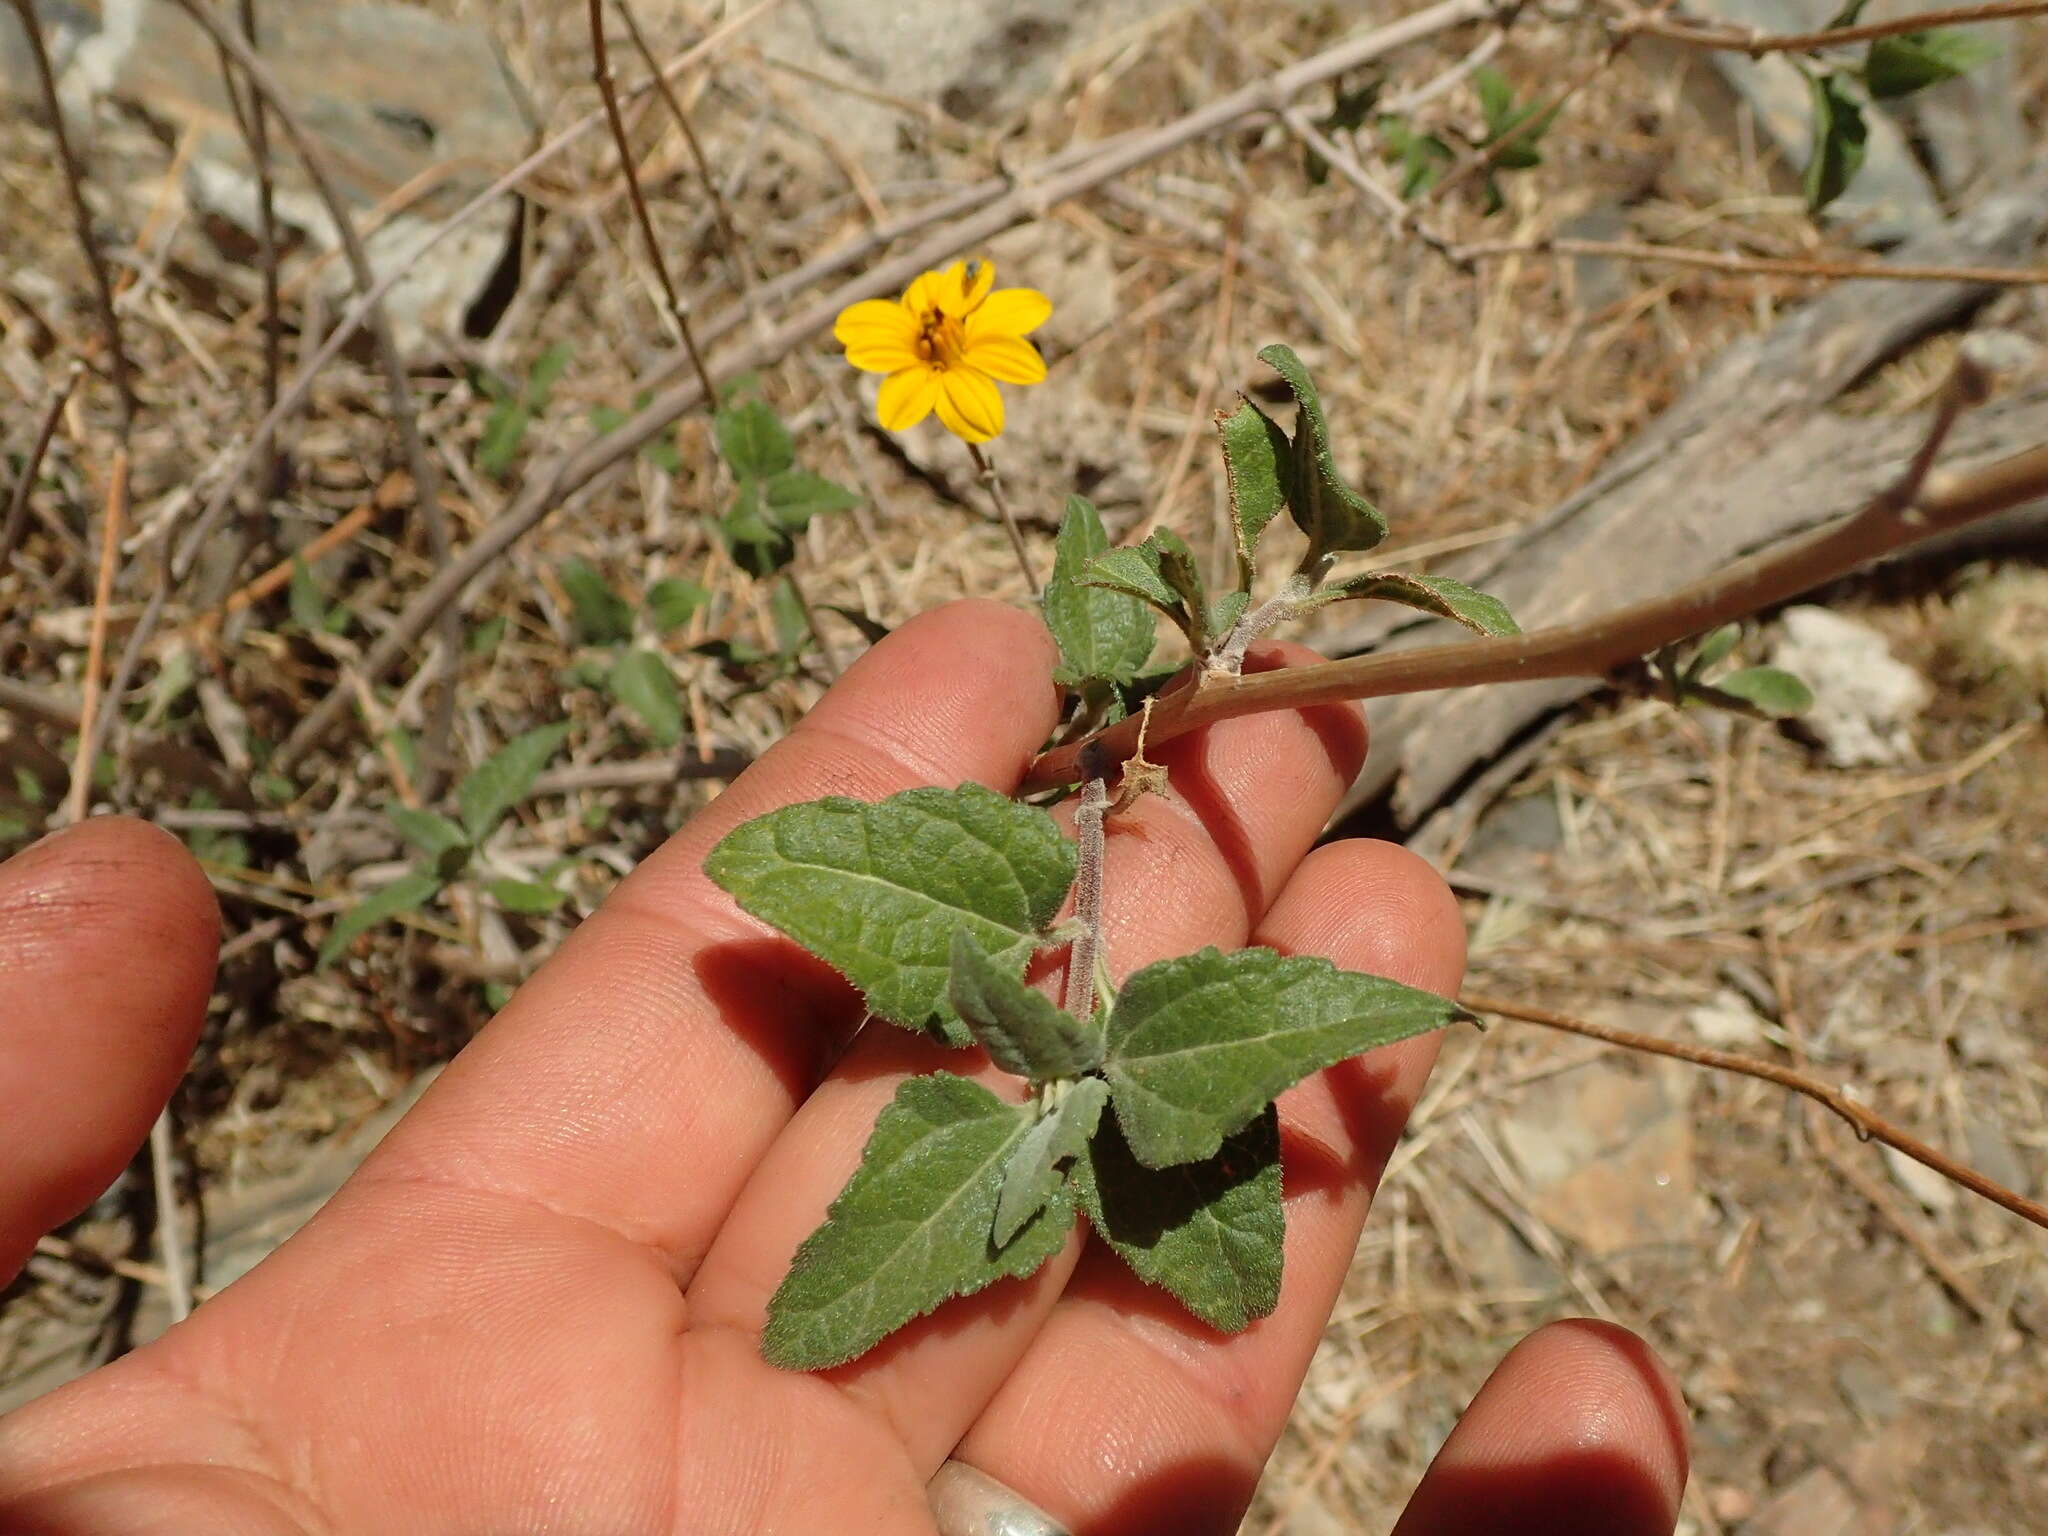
x,y
796,496
1199,1045
1226,611
308,602
1714,649
877,891
673,603
1139,571
1840,137
1101,633
792,625
1210,1232
405,894
601,616
1423,156
429,831
641,680
487,636
1335,517
1348,110
505,778
1912,61
525,896
1033,1175
1769,690
1256,454
912,1228
504,430
1440,595
1179,569
756,545
753,441
1496,98
1023,1031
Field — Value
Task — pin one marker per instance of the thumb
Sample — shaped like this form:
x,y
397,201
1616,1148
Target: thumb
x,y
108,933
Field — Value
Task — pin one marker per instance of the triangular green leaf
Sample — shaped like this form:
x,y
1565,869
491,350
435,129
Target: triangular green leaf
x,y
1101,633
430,832
1135,570
1912,61
1211,1232
877,890
1256,454
602,617
1440,595
1033,1174
1840,137
525,896
505,778
752,440
642,681
1496,98
1423,156
1179,569
756,545
1023,1031
1335,517
792,625
1770,691
796,496
1199,1045
673,603
912,1227
405,894
1714,649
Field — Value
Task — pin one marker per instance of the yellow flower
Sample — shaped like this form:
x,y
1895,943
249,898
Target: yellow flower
x,y
943,345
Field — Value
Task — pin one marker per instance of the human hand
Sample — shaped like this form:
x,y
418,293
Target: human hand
x,y
536,1306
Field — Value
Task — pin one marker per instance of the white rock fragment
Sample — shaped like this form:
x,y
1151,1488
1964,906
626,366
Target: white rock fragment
x,y
1726,1021
1865,699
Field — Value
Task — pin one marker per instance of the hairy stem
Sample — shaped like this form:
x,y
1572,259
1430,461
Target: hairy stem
x,y
987,468
1867,1125
1090,811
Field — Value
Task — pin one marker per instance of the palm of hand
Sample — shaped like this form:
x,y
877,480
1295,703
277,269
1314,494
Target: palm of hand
x,y
537,1305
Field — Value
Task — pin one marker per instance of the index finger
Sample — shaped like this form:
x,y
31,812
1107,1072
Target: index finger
x,y
636,1080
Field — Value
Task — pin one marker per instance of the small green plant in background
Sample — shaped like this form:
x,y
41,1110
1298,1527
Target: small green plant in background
x,y
450,849
513,409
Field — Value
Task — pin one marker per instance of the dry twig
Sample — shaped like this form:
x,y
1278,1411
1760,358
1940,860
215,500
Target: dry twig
x,y
1754,43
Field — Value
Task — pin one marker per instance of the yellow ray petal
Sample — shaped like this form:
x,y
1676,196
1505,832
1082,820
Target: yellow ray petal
x,y
969,405
875,320
886,355
907,398
922,296
1006,358
1009,312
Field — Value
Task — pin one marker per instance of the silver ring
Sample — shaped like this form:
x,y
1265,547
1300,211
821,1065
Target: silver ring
x,y
968,1502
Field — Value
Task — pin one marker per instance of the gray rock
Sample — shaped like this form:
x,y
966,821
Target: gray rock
x,y
1865,700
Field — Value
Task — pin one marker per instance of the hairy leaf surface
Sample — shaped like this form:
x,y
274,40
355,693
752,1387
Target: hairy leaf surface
x,y
1335,517
1023,1031
1255,452
912,1227
1102,633
877,890
1199,1045
1440,595
505,778
1210,1232
1033,1176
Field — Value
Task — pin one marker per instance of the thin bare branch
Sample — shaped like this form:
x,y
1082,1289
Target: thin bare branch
x,y
92,729
1754,43
1868,1125
1765,266
32,465
74,182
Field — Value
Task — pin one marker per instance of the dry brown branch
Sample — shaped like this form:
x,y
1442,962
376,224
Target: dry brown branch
x,y
1027,198
1916,507
1727,261
90,730
74,183
1755,43
128,1269
601,71
1868,1125
32,464
325,543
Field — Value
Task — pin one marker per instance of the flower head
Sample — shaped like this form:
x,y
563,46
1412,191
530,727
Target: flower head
x,y
943,345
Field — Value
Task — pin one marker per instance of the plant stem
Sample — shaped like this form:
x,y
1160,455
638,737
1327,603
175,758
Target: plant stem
x,y
1916,507
1090,811
986,466
32,465
1868,1126
1753,43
